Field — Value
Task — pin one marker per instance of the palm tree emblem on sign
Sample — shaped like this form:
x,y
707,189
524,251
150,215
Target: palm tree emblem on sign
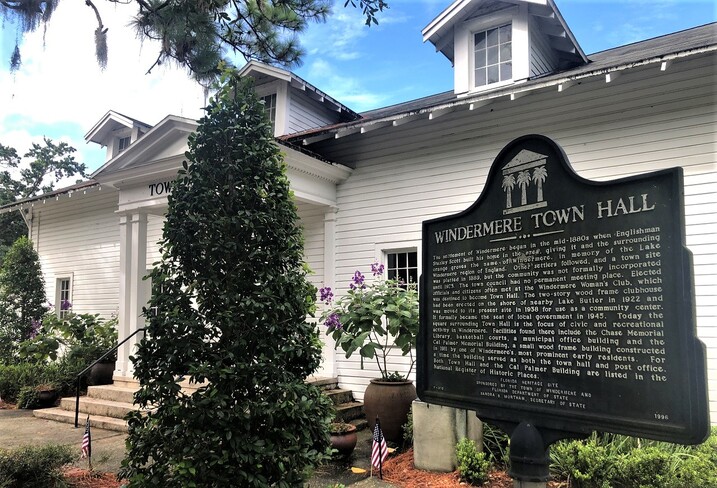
x,y
527,168
508,185
540,174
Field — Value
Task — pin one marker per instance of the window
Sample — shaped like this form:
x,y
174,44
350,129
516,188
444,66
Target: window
x,y
124,143
493,55
403,266
63,295
270,108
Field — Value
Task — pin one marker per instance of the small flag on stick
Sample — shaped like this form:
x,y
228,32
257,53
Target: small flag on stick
x,y
379,449
87,443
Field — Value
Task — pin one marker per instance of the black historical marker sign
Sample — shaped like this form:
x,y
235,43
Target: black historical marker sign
x,y
564,302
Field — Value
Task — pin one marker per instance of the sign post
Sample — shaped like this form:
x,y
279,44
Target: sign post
x,y
556,306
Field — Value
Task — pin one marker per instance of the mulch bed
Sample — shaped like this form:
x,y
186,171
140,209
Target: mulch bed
x,y
84,478
7,406
400,471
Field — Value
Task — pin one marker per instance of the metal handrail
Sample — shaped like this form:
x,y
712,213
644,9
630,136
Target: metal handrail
x,y
82,373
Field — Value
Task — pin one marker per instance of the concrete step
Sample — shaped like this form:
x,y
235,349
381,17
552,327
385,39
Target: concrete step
x,y
125,382
349,411
323,383
67,417
339,395
97,406
111,392
132,383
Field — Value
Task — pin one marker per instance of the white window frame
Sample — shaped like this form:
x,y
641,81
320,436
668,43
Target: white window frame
x,y
270,107
464,59
383,249
120,148
118,135
498,64
280,89
59,278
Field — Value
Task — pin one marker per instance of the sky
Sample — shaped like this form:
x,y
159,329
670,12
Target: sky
x,y
60,92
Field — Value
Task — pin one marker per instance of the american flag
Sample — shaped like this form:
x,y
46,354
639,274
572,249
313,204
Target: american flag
x,y
87,441
379,450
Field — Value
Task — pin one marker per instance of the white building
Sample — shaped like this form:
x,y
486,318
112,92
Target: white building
x,y
364,183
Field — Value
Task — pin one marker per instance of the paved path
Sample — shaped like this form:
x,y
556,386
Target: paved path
x,y
20,428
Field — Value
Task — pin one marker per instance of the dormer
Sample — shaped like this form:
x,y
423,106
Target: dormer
x,y
496,43
292,104
116,132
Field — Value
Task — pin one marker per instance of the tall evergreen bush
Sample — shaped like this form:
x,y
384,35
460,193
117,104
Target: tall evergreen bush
x,y
228,312
22,296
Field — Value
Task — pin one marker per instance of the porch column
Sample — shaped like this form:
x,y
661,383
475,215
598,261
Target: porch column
x,y
124,288
328,366
134,292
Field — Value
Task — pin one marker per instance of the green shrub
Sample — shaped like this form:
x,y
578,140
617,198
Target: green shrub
x,y
496,444
27,398
646,467
408,429
14,377
472,464
85,336
22,294
609,460
63,374
231,297
34,467
584,464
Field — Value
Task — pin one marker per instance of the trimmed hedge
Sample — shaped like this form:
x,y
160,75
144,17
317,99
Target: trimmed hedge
x,y
15,377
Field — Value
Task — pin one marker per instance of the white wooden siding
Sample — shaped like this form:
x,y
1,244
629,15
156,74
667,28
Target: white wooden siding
x,y
542,56
80,235
305,113
312,222
646,120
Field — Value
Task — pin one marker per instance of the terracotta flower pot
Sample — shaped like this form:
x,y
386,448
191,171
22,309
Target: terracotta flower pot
x,y
344,442
391,402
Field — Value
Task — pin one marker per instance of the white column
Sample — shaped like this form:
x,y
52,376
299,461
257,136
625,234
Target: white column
x,y
328,366
138,291
124,289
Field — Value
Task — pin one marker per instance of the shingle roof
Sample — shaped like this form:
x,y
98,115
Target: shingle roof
x,y
683,43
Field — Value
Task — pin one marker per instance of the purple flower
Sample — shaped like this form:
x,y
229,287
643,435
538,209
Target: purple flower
x,y
357,281
65,305
332,321
326,294
377,269
35,325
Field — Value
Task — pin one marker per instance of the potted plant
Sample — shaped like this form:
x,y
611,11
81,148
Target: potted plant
x,y
89,338
38,396
46,394
343,438
371,320
83,337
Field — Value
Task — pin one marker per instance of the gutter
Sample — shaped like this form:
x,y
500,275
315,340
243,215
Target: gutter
x,y
474,102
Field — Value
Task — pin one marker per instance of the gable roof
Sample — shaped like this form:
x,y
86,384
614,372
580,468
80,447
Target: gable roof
x,y
163,141
110,122
663,49
545,13
263,73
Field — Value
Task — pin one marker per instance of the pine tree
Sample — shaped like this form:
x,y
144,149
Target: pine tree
x,y
198,34
228,311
